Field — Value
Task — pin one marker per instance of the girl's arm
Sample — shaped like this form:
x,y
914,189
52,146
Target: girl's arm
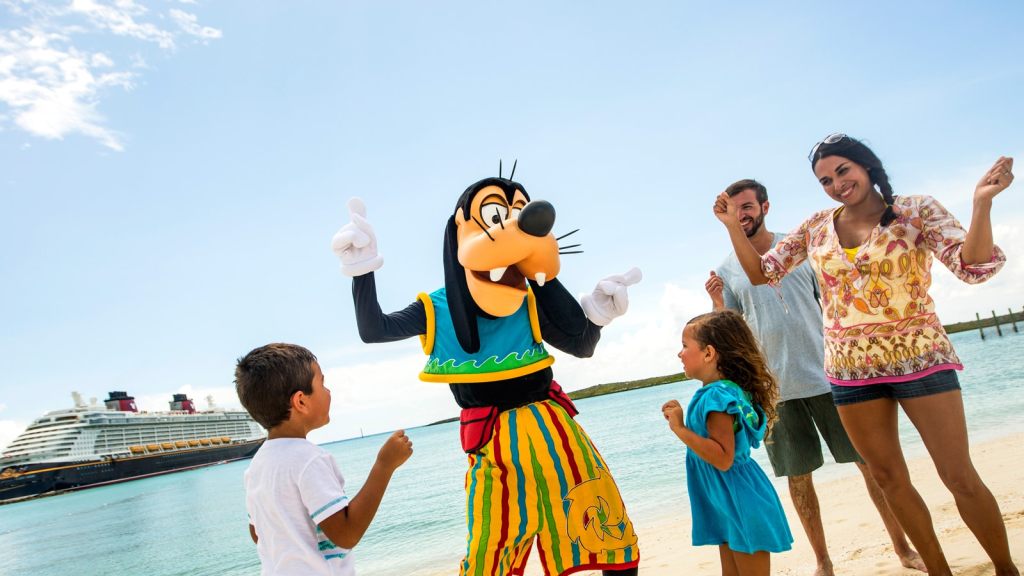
x,y
725,211
718,449
978,243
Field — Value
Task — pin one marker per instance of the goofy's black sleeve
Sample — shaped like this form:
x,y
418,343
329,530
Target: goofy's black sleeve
x,y
562,321
376,326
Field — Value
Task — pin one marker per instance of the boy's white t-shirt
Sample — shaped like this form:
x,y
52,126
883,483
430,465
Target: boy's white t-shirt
x,y
291,486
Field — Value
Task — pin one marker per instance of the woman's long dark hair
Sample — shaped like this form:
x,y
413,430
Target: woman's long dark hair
x,y
739,357
856,151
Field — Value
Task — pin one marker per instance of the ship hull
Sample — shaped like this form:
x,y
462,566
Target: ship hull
x,y
41,479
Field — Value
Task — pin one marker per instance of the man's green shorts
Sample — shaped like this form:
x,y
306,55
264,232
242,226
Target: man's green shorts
x,y
793,446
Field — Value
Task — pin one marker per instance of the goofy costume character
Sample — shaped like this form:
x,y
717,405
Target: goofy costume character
x,y
534,475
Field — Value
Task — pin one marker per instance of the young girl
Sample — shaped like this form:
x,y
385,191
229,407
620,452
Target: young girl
x,y
884,346
732,501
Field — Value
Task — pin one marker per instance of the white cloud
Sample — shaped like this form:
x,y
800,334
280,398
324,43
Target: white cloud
x,y
223,397
101,60
372,397
189,25
9,430
52,86
120,19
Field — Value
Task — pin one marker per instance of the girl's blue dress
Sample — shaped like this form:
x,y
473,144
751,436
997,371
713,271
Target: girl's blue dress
x,y
738,507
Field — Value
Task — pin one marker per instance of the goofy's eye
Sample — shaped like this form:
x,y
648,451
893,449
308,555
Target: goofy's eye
x,y
492,213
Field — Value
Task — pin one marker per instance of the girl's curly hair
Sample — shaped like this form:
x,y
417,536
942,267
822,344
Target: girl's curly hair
x,y
740,359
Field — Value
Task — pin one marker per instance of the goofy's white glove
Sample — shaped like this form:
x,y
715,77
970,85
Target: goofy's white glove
x,y
356,244
609,299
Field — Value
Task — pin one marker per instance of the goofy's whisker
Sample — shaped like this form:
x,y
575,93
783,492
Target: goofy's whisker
x,y
569,234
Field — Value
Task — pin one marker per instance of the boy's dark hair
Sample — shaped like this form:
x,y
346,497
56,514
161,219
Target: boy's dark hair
x,y
267,377
748,184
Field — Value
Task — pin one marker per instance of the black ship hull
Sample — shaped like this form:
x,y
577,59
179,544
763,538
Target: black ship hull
x,y
38,479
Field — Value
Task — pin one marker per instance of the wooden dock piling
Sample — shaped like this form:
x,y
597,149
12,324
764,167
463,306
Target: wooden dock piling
x,y
995,319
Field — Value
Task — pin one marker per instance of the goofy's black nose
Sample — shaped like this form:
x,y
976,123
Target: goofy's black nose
x,y
537,218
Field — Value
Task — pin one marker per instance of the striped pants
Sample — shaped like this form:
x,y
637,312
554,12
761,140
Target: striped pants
x,y
541,478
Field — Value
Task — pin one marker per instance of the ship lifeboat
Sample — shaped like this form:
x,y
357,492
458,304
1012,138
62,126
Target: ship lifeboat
x,y
193,443
181,444
225,439
153,447
137,449
167,445
205,441
215,440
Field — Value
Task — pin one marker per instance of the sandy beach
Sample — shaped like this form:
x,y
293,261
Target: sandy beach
x,y
858,542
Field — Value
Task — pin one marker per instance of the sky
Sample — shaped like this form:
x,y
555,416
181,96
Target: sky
x,y
172,172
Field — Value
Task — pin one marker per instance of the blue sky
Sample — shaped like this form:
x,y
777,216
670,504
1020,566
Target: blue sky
x,y
172,172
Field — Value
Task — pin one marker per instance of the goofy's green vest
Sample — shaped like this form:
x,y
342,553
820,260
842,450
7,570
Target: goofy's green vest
x,y
510,346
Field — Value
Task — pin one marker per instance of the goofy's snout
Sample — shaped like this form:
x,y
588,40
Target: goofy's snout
x,y
537,218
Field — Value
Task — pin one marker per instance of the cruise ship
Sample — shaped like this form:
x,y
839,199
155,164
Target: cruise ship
x,y
92,445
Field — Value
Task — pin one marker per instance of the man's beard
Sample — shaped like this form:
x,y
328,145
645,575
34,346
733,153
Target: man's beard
x,y
758,221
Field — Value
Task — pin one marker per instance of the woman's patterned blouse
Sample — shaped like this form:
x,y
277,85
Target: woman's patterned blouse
x,y
880,323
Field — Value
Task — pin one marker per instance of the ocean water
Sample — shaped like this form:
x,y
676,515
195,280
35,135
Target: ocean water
x,y
194,523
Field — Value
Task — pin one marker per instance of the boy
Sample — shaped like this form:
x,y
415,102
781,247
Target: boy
x,y
300,518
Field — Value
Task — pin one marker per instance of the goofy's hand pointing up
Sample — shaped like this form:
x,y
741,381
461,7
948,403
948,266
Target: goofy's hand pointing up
x,y
356,244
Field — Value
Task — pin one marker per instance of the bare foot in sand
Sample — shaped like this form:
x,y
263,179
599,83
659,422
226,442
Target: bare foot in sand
x,y
824,570
911,559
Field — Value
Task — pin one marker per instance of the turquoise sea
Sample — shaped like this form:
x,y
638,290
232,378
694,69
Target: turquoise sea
x,y
194,523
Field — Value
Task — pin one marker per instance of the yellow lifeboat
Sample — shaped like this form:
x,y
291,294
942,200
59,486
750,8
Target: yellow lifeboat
x,y
167,445
205,441
137,449
181,444
193,443
215,440
225,439
153,447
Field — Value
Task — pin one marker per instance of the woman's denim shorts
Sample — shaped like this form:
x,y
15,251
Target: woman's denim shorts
x,y
942,381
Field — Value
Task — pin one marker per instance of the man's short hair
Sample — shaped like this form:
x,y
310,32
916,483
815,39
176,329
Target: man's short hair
x,y
748,184
267,377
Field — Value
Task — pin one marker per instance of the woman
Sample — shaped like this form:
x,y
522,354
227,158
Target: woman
x,y
884,346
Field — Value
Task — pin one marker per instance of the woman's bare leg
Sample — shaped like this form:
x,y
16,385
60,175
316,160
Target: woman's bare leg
x,y
872,427
939,418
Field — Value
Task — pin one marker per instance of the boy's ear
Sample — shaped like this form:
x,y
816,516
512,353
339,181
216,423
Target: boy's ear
x,y
298,402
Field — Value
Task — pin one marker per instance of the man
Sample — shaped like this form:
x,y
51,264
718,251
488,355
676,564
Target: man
x,y
787,324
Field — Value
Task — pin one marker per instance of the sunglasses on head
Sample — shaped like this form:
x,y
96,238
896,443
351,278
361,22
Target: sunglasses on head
x,y
830,139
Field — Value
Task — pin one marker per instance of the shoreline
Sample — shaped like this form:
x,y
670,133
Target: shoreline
x,y
857,541
846,509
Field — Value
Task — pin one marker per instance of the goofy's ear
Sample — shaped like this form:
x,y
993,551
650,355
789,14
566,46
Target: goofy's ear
x,y
461,306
